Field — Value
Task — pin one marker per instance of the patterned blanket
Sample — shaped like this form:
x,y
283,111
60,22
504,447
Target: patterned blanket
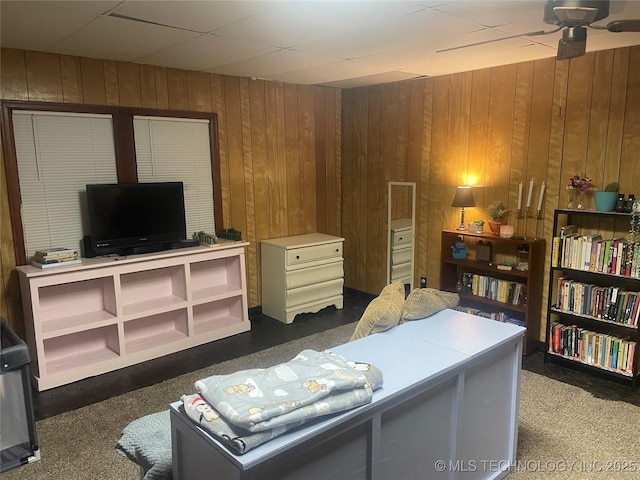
x,y
247,408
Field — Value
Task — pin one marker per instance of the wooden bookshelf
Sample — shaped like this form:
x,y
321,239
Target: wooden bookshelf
x,y
527,311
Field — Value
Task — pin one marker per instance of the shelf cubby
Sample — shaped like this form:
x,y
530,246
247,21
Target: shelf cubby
x,y
71,304
81,350
155,330
215,278
151,290
211,316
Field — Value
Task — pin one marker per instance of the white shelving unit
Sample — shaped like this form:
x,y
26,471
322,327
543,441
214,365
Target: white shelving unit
x,y
109,313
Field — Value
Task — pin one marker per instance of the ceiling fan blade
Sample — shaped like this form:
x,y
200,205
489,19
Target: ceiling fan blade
x,y
528,34
618,26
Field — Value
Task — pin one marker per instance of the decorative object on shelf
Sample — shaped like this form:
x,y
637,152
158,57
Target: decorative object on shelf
x,y
620,204
519,211
205,239
540,199
605,200
529,195
484,252
477,226
230,234
463,198
523,258
577,187
634,230
459,250
628,206
497,213
506,231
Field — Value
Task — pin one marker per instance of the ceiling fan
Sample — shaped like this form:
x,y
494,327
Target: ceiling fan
x,y
572,17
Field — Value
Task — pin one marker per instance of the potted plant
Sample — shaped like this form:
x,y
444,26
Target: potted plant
x,y
476,226
497,213
605,200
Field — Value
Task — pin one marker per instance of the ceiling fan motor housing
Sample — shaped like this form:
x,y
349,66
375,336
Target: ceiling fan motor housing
x,y
551,17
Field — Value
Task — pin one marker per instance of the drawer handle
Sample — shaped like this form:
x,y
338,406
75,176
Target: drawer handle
x,y
297,257
337,250
400,238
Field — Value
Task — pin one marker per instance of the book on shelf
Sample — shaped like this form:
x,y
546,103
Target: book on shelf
x,y
598,349
504,266
57,259
55,255
56,251
56,264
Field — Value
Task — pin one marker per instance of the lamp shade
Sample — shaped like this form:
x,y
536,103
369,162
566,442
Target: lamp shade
x,y
463,197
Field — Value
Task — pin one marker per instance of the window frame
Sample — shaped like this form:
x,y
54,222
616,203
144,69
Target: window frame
x,y
126,165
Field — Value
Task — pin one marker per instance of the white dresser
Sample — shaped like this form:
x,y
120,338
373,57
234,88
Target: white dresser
x,y
301,274
402,251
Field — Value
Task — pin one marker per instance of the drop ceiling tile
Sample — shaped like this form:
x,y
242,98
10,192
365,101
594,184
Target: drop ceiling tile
x,y
91,6
119,39
30,26
420,53
417,27
294,23
265,66
331,72
470,62
199,16
608,40
205,52
384,77
497,12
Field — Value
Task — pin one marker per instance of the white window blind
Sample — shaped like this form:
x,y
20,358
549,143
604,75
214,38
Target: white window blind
x,y
178,150
57,155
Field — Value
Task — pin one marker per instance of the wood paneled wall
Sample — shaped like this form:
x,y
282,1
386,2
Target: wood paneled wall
x,y
279,144
295,159
493,128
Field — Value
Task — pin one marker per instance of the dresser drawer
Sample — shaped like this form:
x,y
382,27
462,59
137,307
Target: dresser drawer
x,y
400,271
402,237
313,293
313,275
314,253
402,255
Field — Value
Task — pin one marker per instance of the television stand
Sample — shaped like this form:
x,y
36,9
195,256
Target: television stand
x,y
100,315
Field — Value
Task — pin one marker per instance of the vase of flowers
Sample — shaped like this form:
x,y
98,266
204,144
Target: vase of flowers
x,y
577,187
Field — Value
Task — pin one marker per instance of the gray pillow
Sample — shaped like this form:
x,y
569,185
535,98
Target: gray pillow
x,y
424,302
382,313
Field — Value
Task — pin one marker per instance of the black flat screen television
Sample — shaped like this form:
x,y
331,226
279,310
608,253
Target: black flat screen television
x,y
135,217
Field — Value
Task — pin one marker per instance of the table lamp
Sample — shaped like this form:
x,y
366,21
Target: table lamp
x,y
463,198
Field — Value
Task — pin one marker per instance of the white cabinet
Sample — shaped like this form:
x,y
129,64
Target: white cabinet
x,y
109,313
301,274
402,251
